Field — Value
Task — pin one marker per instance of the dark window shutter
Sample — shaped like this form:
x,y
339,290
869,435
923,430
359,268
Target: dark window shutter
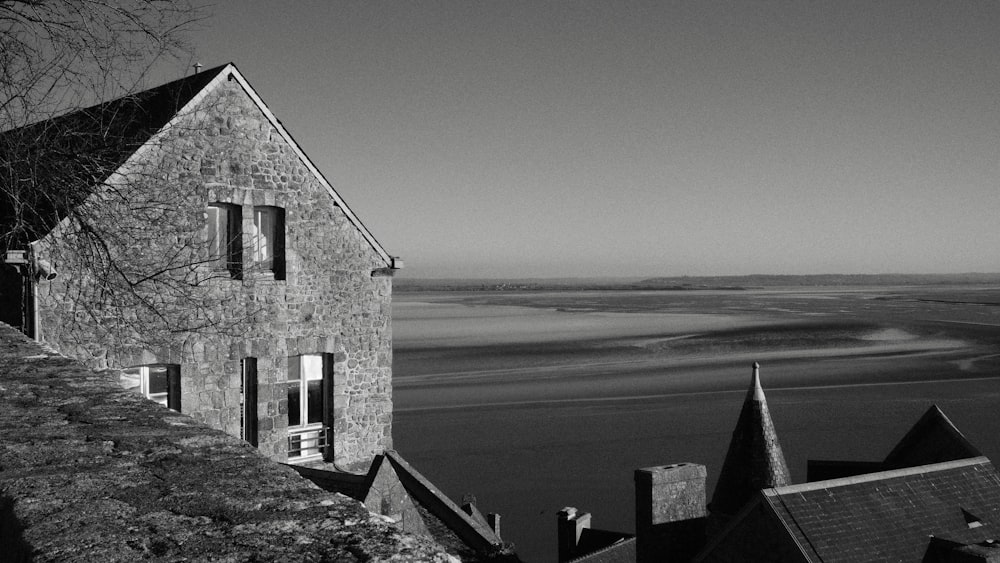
x,y
235,246
174,387
279,244
328,405
250,399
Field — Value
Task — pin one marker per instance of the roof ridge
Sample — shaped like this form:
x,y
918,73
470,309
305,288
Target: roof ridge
x,y
877,476
618,544
405,472
207,75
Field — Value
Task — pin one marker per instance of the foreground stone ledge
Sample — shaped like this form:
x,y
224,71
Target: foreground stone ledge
x,y
90,472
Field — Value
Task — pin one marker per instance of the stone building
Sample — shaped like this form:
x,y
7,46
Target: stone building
x,y
229,282
255,300
933,499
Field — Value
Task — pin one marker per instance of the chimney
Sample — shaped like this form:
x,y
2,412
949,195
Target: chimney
x,y
570,525
669,512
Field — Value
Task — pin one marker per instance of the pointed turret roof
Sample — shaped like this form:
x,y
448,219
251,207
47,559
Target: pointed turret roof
x,y
754,460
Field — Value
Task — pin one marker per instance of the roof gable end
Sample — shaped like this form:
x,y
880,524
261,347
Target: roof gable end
x,y
230,72
933,439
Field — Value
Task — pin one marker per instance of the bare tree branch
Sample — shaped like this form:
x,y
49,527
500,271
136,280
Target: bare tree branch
x,y
61,159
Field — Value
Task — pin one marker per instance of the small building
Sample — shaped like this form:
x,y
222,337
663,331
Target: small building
x,y
184,238
933,499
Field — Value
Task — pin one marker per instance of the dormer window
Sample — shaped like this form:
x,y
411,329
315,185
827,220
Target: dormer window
x,y
269,239
225,246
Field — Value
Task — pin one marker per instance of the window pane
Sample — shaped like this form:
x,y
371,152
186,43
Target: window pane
x,y
263,220
312,367
157,380
131,379
294,404
314,392
218,235
214,239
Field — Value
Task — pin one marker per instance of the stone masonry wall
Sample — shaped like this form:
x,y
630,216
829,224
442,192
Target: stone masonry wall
x,y
335,297
91,472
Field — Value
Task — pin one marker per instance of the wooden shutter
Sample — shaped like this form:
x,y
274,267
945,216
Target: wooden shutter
x,y
174,387
250,400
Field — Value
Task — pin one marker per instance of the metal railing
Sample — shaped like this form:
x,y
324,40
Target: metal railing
x,y
307,443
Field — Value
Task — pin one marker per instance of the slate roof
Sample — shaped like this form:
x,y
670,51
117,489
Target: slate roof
x,y
891,515
933,439
72,153
467,535
754,460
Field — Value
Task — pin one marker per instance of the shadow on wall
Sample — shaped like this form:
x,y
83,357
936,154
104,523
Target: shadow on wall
x,y
15,549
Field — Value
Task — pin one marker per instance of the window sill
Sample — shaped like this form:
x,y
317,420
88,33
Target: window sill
x,y
263,275
226,274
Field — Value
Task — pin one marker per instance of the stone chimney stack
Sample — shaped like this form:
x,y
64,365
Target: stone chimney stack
x,y
570,525
669,512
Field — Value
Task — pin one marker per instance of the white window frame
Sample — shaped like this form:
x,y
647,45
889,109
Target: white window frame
x,y
310,368
268,239
138,378
225,233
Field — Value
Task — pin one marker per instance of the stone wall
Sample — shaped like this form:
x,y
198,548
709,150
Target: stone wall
x,y
334,298
669,512
91,472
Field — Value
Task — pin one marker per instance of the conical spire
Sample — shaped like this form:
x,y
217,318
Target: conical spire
x,y
754,460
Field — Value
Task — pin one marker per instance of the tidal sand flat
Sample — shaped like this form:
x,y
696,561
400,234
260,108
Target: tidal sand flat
x,y
537,400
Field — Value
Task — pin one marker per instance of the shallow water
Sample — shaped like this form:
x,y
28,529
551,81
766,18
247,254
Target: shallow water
x,y
535,401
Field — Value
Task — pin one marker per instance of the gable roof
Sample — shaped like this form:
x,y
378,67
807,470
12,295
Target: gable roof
x,y
890,515
71,153
754,460
89,145
393,486
472,532
933,439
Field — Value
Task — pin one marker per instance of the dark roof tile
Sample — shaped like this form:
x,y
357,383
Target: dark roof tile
x,y
73,152
933,439
889,516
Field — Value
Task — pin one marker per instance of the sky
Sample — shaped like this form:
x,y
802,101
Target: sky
x,y
557,139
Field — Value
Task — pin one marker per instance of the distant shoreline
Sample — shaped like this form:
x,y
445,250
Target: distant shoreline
x,y
692,283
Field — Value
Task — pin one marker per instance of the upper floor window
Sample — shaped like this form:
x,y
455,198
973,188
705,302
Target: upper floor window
x,y
158,382
225,245
269,239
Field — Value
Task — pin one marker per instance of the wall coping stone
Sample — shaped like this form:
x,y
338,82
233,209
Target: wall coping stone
x,y
92,472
